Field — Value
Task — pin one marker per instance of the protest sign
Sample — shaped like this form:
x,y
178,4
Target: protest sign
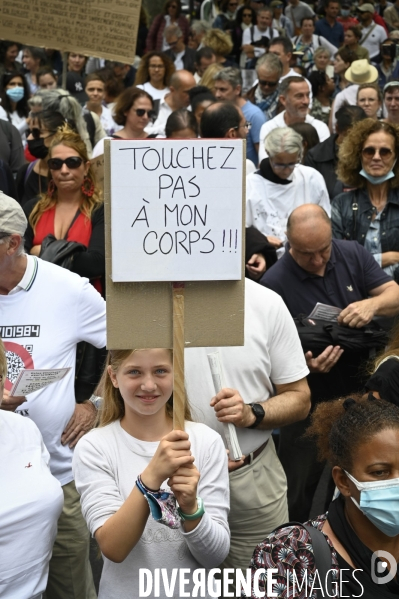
x,y
176,210
104,28
140,314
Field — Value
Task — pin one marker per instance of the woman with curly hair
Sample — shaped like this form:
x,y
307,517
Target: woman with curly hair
x,y
72,207
369,213
154,73
359,437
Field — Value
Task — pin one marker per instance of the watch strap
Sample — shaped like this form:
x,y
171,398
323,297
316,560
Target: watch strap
x,y
200,511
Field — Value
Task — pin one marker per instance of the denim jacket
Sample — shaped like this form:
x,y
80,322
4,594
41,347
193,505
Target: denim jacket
x,y
349,223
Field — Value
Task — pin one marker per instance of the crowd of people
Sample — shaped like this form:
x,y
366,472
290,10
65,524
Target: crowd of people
x,y
314,390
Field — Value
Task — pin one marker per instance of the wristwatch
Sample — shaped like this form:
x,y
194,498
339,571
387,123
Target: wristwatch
x,y
96,400
259,414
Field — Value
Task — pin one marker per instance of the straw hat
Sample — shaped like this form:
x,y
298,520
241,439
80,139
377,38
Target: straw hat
x,y
361,71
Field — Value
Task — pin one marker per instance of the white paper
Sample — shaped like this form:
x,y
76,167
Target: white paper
x,y
325,312
32,380
176,209
230,432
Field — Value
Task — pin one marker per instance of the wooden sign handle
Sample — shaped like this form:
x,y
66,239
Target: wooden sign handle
x,y
179,394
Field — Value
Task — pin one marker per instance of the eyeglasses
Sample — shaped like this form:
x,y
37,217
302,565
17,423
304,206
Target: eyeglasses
x,y
247,125
370,152
55,164
281,166
36,133
267,83
156,66
141,112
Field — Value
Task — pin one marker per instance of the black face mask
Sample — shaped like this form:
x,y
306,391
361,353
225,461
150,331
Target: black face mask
x,y
37,148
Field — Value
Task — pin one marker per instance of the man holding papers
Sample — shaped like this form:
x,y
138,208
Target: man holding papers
x,y
339,273
45,311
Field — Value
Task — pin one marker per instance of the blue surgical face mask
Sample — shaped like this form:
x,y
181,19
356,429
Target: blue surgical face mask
x,y
377,180
379,502
345,12
15,93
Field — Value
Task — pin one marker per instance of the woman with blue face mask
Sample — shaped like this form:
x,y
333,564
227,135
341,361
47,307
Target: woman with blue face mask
x,y
369,212
360,438
14,96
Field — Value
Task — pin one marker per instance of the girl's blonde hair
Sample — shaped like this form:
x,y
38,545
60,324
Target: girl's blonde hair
x,y
113,407
65,136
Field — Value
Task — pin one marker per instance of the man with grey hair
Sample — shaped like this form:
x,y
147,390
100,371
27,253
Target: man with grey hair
x,y
228,86
264,94
45,311
178,97
294,96
182,56
281,185
197,31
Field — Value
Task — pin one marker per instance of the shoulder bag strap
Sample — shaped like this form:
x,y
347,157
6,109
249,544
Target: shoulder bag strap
x,y
73,220
251,31
367,34
323,561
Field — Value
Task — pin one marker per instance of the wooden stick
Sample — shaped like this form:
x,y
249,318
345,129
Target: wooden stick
x,y
64,69
179,395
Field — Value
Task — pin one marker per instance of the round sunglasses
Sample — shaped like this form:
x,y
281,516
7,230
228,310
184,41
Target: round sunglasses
x,y
55,164
141,112
370,152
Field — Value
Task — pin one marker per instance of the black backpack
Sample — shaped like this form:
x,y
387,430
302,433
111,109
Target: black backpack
x,y
316,334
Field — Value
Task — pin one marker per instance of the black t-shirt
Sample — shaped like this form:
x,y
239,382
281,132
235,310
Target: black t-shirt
x,y
28,186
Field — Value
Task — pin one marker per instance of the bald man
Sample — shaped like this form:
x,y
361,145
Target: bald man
x,y
339,273
180,84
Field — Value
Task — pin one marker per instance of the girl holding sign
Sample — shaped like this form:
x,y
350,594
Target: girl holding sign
x,y
130,460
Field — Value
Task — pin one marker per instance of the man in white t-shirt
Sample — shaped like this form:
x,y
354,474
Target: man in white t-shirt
x,y
178,97
256,38
294,96
45,311
373,35
265,389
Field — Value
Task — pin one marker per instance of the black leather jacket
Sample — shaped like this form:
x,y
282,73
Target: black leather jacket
x,y
349,223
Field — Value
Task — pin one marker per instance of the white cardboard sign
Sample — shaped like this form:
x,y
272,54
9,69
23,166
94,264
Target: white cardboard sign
x,y
31,380
176,209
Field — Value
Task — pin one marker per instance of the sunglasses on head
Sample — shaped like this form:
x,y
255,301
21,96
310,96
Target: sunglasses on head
x,y
370,152
268,83
55,164
142,111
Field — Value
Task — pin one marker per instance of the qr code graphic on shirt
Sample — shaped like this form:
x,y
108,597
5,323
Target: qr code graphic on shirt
x,y
14,365
29,348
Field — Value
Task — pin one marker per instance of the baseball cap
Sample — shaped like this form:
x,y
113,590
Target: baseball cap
x,y
12,217
76,87
366,8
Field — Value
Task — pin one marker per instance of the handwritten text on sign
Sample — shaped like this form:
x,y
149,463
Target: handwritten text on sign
x,y
176,210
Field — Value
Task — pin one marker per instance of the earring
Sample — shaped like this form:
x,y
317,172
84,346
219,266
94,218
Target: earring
x,y
87,187
51,188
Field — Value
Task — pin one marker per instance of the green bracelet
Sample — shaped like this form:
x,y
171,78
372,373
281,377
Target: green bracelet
x,y
200,511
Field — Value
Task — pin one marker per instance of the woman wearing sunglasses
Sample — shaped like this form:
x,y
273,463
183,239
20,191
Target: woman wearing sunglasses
x,y
369,213
134,110
72,207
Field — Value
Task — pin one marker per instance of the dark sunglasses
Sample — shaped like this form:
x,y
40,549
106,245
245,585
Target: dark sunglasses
x,y
141,112
55,164
268,83
369,152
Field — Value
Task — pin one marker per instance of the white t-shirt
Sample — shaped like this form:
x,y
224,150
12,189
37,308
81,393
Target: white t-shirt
x,y
278,121
346,96
270,204
158,128
257,35
156,94
40,327
373,41
271,353
108,123
31,501
106,464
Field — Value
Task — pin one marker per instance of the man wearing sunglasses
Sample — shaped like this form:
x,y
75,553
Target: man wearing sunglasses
x,y
264,94
182,56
